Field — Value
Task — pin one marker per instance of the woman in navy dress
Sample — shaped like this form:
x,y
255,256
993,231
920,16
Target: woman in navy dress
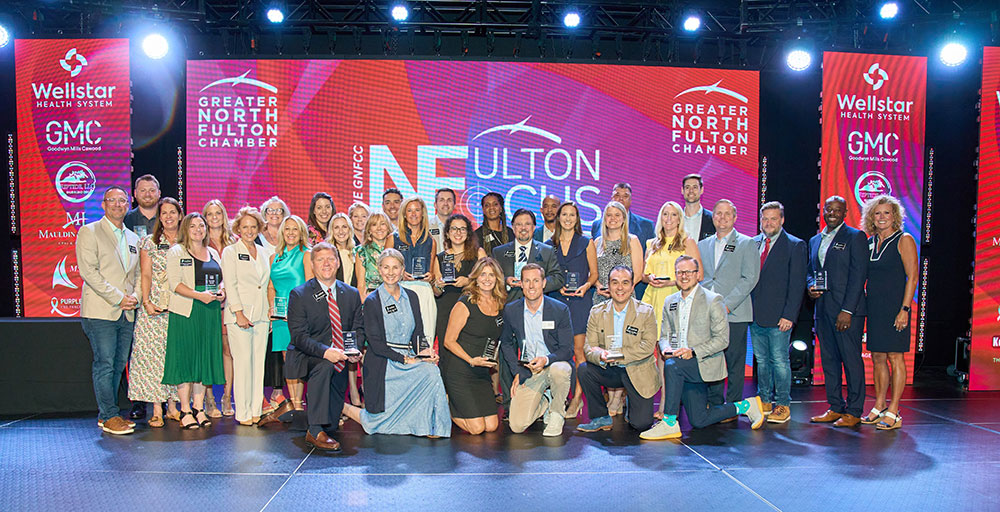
x,y
575,253
892,275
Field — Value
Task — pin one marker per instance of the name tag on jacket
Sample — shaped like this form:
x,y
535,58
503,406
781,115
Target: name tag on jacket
x,y
132,249
244,257
187,262
729,248
391,308
633,330
673,306
319,296
839,246
548,324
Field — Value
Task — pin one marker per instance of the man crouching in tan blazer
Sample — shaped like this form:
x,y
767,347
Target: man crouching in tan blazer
x,y
693,335
621,339
108,257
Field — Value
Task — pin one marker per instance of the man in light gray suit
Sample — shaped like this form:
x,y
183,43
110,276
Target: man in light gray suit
x,y
732,267
693,335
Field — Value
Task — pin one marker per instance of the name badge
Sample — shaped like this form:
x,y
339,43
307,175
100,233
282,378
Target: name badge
x,y
839,246
548,324
163,247
435,231
244,257
132,249
187,262
729,248
509,254
391,308
499,321
321,295
633,330
673,306
449,257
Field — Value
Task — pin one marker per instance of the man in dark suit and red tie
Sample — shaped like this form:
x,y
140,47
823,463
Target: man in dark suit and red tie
x,y
776,302
838,265
320,312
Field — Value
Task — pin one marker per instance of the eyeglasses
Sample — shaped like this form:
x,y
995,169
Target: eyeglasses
x,y
274,211
459,229
116,200
686,272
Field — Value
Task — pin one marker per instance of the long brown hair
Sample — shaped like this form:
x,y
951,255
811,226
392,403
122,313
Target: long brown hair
x,y
471,251
313,221
158,229
577,229
472,289
182,232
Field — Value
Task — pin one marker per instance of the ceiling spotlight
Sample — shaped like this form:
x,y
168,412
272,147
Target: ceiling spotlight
x,y
692,23
274,15
798,60
400,12
888,10
4,36
572,19
155,46
953,54
800,345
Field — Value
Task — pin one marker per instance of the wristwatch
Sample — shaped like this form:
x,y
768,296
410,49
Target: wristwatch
x,y
906,308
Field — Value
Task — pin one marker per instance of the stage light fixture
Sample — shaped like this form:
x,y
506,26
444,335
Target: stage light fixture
x,y
798,60
572,19
274,15
400,12
155,46
800,345
4,36
954,54
889,10
692,23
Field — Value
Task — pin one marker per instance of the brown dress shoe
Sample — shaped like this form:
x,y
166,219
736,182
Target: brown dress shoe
x,y
847,420
780,414
323,442
272,417
117,426
826,417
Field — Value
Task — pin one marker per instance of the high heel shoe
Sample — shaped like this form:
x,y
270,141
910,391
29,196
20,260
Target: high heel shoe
x,y
196,412
227,406
574,408
189,426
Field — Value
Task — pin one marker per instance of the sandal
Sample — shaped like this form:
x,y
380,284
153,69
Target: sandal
x,y
897,421
574,408
173,416
297,405
869,420
227,406
190,426
156,422
196,412
211,410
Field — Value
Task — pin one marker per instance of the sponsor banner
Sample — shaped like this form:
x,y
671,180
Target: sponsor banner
x,y
873,144
353,128
73,142
984,367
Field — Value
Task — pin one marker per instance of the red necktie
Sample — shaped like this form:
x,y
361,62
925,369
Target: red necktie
x,y
767,249
338,334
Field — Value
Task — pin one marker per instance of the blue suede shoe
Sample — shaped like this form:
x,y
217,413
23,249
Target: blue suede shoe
x,y
596,424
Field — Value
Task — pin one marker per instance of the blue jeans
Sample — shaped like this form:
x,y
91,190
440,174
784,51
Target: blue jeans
x,y
774,372
111,342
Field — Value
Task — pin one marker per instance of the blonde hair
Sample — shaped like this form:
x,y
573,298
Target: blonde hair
x,y
226,227
404,229
182,232
472,290
303,235
357,204
389,252
604,229
350,225
660,241
253,213
868,213
372,219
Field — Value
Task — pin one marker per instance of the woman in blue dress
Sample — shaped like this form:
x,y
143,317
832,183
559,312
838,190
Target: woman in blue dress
x,y
575,253
404,394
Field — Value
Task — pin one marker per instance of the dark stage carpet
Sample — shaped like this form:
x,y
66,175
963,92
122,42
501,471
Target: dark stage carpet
x,y
946,457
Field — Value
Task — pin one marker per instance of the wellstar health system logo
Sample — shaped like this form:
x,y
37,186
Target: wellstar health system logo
x,y
73,62
875,76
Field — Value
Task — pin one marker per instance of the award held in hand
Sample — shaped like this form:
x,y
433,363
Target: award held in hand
x,y
526,354
351,344
614,353
212,283
669,345
422,347
419,267
819,281
491,350
280,308
448,272
572,281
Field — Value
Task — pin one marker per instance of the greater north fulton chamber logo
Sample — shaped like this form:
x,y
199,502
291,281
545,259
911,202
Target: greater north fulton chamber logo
x,y
703,124
72,94
245,118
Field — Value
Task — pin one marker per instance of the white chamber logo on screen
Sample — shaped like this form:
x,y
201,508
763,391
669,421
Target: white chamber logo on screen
x,y
524,158
73,94
60,277
238,117
869,185
75,182
701,124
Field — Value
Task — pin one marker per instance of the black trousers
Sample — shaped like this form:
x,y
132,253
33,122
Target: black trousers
x,y
592,377
324,393
841,354
683,384
736,366
506,381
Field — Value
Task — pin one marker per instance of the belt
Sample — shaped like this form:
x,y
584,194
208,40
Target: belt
x,y
633,363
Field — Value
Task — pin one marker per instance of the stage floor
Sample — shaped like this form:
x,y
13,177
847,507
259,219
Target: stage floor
x,y
946,457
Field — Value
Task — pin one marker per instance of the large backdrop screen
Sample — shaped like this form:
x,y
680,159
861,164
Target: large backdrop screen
x,y
873,143
984,368
353,128
73,142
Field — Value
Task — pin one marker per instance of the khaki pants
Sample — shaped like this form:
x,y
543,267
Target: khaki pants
x,y
529,402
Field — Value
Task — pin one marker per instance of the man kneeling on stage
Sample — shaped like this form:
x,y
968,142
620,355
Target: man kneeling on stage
x,y
320,311
620,346
693,336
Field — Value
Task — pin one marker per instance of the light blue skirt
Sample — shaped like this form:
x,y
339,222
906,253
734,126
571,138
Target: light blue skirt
x,y
415,402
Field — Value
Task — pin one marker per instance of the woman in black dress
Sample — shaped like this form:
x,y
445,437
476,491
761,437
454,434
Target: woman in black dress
x,y
477,317
892,282
461,250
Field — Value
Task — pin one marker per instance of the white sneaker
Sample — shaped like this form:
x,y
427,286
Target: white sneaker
x,y
554,426
755,413
662,431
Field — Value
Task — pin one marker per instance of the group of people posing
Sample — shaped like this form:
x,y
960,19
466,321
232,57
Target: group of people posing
x,y
450,324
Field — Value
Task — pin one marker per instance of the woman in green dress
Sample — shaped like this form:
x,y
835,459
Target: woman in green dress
x,y
289,268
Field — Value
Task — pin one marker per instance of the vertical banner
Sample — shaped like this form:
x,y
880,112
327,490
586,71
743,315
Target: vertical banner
x,y
984,367
873,143
73,142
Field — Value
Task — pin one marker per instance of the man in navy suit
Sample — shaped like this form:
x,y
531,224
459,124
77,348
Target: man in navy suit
x,y
776,302
537,345
638,225
697,220
550,207
840,253
514,255
314,309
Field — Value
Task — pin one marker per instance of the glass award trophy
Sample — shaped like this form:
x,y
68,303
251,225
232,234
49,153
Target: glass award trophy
x,y
141,230
526,354
212,283
661,273
422,347
671,344
572,281
280,308
491,350
614,353
351,344
419,267
819,281
448,273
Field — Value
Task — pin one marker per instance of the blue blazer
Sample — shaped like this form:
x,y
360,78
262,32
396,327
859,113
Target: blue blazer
x,y
309,317
707,226
782,281
539,234
637,225
378,351
558,340
846,264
